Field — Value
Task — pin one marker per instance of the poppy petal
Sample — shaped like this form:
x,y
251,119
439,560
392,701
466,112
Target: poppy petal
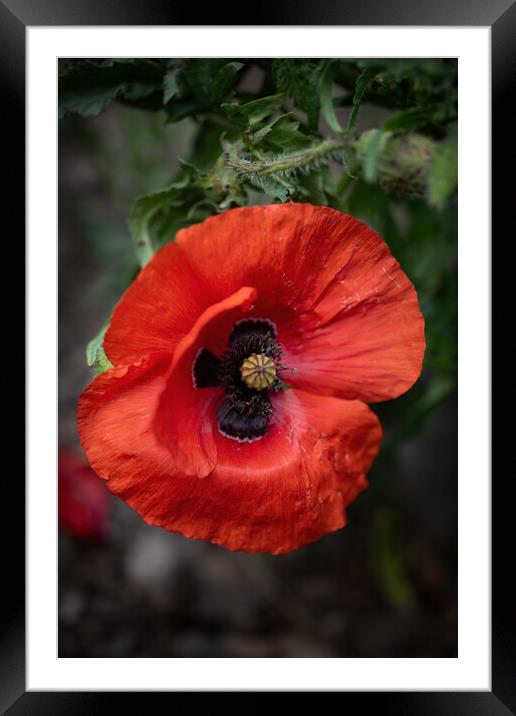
x,y
368,345
273,495
281,249
83,501
291,487
157,310
346,314
115,407
184,419
344,310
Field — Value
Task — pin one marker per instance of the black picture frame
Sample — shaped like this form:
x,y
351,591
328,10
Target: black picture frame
x,y
500,15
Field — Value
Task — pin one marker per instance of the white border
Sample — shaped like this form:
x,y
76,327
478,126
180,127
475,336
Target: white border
x,y
471,670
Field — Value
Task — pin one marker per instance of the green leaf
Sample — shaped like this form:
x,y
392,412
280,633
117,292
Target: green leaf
x,y
443,173
282,133
364,81
373,152
312,187
405,120
273,184
181,108
88,101
236,114
327,107
156,217
207,147
95,354
245,115
225,79
144,210
391,68
103,363
259,109
201,209
87,88
210,81
389,564
277,187
301,79
170,85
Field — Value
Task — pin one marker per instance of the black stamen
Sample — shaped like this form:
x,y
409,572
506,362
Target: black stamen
x,y
206,370
251,327
239,426
245,413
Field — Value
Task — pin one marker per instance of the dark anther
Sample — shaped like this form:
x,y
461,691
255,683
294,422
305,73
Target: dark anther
x,y
241,426
251,327
206,370
246,410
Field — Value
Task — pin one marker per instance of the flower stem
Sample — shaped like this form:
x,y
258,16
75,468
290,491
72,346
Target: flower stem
x,y
287,163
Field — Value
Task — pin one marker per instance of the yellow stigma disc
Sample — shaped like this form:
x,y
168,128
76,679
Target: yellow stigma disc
x,y
258,371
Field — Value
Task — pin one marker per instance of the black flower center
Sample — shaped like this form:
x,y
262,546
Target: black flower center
x,y
248,370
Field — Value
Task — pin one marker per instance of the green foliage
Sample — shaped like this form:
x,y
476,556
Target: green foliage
x,y
209,81
363,83
244,116
373,148
372,137
423,91
302,80
95,354
259,141
87,87
407,119
388,562
154,210
443,172
327,107
170,85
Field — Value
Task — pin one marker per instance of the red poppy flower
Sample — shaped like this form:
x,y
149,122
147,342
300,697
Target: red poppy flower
x,y
83,505
242,355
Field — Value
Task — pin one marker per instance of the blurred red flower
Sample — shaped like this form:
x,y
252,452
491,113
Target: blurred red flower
x,y
243,356
83,501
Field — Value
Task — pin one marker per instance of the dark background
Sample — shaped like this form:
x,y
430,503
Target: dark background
x,y
386,585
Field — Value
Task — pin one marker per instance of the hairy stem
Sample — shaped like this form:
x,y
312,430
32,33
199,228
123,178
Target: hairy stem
x,y
398,162
288,163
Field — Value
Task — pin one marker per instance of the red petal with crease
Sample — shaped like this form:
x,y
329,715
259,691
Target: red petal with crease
x,y
365,338
347,315
184,418
157,309
273,495
292,486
